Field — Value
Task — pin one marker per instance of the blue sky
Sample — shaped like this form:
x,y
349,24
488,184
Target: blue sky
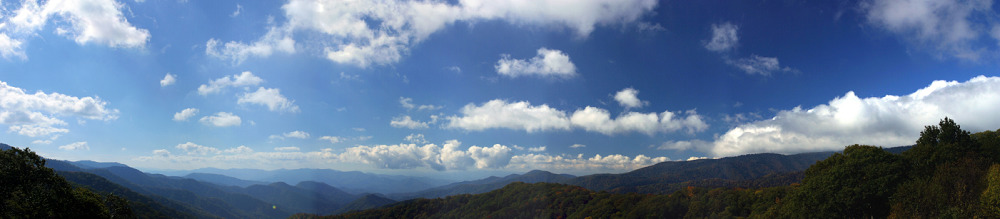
x,y
434,87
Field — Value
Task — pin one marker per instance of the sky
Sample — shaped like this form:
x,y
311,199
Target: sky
x,y
484,86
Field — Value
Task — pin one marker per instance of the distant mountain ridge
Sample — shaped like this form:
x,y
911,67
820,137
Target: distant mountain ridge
x,y
224,180
351,181
484,185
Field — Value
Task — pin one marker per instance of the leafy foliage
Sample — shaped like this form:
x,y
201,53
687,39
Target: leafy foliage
x,y
31,190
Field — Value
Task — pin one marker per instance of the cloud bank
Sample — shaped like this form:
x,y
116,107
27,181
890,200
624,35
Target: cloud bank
x,y
885,121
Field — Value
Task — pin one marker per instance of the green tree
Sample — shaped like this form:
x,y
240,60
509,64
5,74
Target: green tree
x,y
990,199
856,183
31,190
939,144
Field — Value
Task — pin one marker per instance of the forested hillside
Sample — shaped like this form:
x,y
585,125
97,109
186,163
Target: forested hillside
x,y
31,190
949,173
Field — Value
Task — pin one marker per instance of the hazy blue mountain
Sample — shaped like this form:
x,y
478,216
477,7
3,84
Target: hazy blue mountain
x,y
351,181
484,185
87,164
366,202
220,179
742,167
201,196
144,206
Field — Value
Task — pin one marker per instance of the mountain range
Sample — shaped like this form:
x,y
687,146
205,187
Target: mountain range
x,y
248,193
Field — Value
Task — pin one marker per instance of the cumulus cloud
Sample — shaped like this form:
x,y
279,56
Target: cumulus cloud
x,y
183,115
407,103
537,149
36,115
364,33
548,63
168,79
75,146
242,149
945,27
193,149
449,156
270,97
610,163
523,116
760,65
578,146
241,80
885,121
599,120
415,138
407,122
86,21
723,37
291,134
221,119
332,139
628,98
515,115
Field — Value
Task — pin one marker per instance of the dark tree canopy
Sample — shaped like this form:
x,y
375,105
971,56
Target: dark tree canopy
x,y
31,190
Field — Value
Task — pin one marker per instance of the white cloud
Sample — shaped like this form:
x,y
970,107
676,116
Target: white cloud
x,y
75,146
332,139
168,80
494,157
349,77
32,130
364,33
36,115
548,63
193,149
407,103
10,47
221,119
723,37
242,149
415,138
516,115
885,121
683,145
270,97
296,134
449,156
277,39
610,163
41,141
407,122
578,146
537,149
183,115
599,120
628,98
239,8
759,65
943,26
286,149
241,80
85,21
523,116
